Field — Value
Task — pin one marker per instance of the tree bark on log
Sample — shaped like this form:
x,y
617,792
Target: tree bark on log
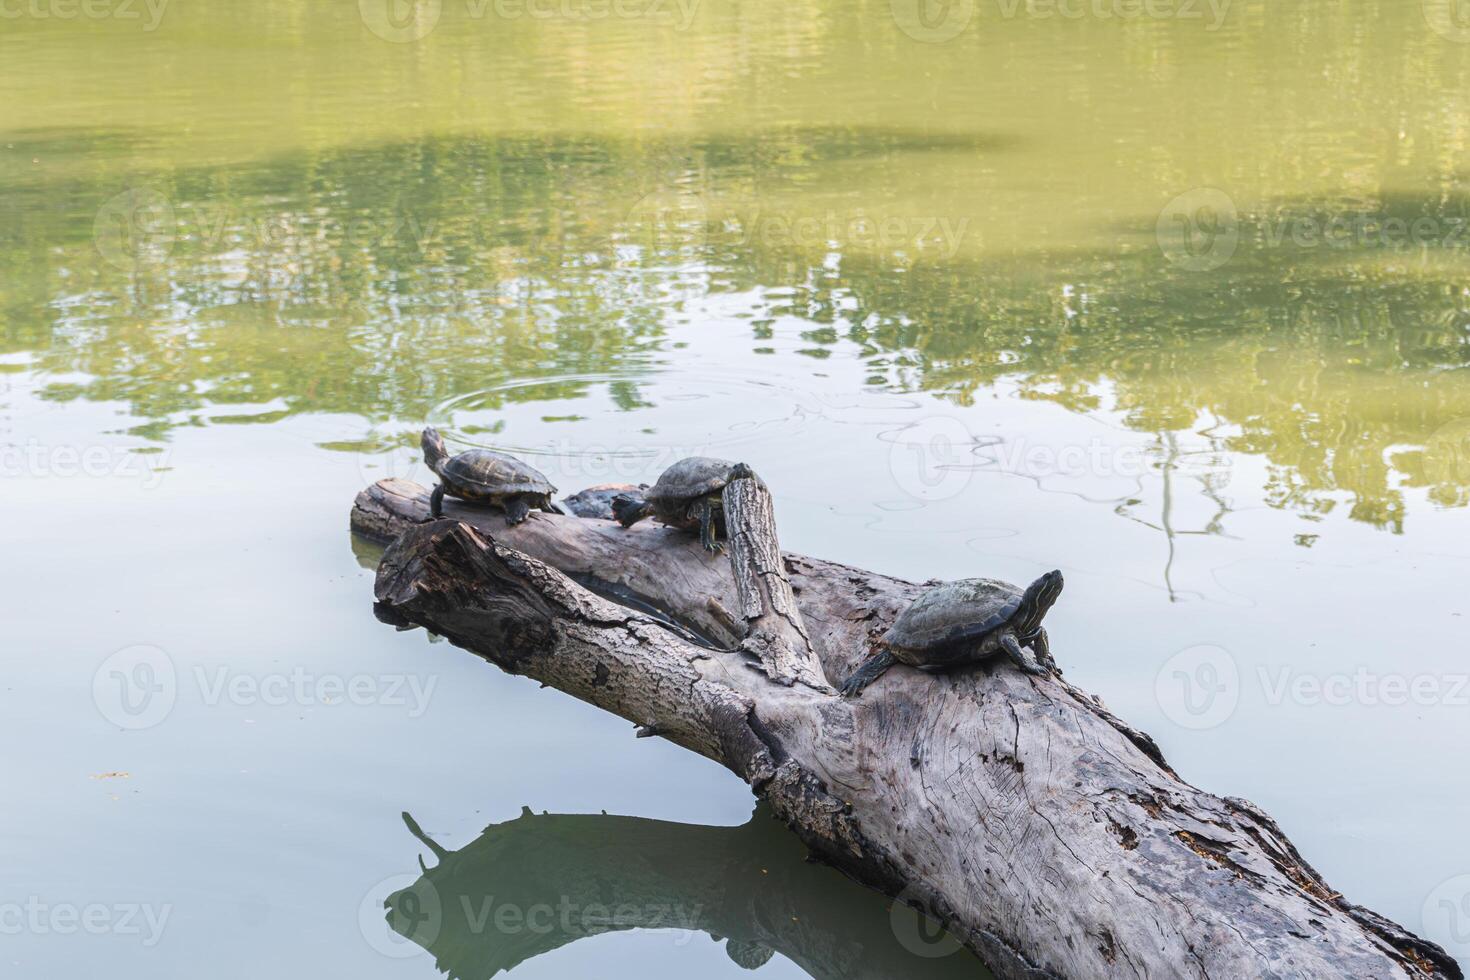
x,y
1047,835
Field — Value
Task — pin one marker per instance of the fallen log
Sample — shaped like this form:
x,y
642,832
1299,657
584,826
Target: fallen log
x,y
1048,836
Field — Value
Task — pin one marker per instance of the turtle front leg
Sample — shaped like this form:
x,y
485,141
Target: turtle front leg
x,y
517,509
1040,644
1012,647
707,527
436,503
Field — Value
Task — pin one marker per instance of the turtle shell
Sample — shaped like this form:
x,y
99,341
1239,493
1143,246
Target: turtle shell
x,y
690,478
490,473
954,612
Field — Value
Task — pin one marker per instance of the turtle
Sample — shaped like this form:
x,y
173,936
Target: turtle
x,y
485,476
686,495
959,623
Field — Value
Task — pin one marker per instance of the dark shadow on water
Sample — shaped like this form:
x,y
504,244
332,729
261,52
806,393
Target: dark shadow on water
x,y
541,881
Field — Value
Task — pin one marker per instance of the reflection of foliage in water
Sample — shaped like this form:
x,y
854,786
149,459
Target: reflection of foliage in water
x,y
383,281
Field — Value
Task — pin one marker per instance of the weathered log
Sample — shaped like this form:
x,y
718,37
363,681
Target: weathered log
x,y
1045,834
772,630
530,885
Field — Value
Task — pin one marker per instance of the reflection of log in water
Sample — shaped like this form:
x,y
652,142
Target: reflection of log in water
x,y
539,882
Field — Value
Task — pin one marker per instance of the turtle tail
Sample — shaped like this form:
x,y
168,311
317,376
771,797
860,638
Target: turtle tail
x,y
629,510
1036,601
434,452
870,671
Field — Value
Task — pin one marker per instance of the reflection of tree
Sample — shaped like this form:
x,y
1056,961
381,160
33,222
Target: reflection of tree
x,y
383,281
533,884
1328,372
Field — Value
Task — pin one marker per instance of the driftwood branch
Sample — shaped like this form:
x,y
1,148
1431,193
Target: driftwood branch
x,y
1048,836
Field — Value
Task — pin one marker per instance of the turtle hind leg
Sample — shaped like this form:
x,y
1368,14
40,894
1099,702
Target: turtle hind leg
x,y
1012,647
552,507
870,671
707,527
436,503
517,509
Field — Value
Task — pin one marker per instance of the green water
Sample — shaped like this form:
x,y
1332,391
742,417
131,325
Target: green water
x,y
1179,304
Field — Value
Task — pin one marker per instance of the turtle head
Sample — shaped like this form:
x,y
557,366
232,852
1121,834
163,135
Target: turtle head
x,y
629,509
434,452
749,954
1036,601
741,471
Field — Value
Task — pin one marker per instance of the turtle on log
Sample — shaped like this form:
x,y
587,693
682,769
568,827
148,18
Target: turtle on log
x,y
961,623
686,495
485,476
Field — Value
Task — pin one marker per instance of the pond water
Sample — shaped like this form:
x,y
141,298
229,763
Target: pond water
x,y
1176,301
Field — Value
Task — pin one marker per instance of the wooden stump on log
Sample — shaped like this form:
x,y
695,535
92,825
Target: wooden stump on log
x,y
1047,835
